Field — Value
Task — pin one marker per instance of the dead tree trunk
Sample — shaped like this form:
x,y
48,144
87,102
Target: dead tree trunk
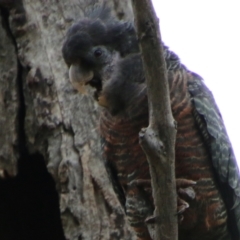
x,y
40,112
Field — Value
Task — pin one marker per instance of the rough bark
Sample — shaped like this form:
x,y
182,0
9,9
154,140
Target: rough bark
x,y
9,101
40,111
158,140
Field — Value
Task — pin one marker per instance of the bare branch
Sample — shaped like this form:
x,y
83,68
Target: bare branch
x,y
158,140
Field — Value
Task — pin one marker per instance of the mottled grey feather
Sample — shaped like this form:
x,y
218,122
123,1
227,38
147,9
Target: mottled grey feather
x,y
211,125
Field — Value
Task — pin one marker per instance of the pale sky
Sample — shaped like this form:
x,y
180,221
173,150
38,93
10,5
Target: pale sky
x,y
205,35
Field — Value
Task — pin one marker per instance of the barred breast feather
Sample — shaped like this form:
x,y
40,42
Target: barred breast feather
x,y
203,154
103,52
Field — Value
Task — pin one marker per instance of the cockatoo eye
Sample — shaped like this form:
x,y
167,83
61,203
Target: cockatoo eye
x,y
98,53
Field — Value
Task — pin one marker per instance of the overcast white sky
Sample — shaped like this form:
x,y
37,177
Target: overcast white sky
x,y
205,34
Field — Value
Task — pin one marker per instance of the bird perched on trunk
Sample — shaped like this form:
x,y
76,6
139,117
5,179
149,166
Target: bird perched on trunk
x,y
103,53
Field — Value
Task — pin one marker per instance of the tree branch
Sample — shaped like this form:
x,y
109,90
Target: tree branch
x,y
158,140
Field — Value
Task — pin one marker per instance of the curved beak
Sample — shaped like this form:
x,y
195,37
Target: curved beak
x,y
79,77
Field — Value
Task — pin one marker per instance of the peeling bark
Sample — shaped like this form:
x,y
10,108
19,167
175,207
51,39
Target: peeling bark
x,y
53,118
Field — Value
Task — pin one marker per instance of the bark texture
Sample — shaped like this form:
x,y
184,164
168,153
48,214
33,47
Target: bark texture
x,y
9,101
40,111
158,140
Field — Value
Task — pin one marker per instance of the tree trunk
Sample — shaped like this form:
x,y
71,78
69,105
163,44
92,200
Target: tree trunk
x,y
41,112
